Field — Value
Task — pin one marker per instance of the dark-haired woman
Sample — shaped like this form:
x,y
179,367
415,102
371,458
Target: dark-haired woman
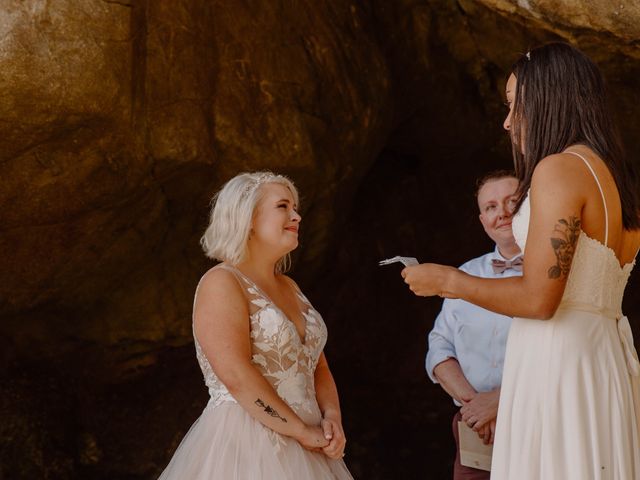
x,y
569,404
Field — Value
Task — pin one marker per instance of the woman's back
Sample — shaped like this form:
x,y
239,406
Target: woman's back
x,y
596,279
566,407
602,212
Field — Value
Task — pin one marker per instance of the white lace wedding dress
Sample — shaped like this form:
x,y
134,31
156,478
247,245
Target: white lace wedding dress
x,y
569,404
226,443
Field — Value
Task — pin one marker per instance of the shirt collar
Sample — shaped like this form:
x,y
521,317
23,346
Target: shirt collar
x,y
498,255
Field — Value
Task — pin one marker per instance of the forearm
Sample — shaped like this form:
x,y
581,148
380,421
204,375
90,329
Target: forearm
x,y
513,296
450,376
327,393
256,395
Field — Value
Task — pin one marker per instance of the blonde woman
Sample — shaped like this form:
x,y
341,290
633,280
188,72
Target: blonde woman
x,y
274,411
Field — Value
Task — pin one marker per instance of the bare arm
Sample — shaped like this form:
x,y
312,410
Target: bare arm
x,y
479,409
326,390
556,200
450,376
221,320
327,396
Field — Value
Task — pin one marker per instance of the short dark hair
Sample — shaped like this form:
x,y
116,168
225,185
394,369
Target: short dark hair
x,y
565,103
491,176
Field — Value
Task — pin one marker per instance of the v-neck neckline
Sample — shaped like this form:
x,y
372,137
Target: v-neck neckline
x,y
302,340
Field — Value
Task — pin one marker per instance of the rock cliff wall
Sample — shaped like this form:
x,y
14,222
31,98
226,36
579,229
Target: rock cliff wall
x,y
121,118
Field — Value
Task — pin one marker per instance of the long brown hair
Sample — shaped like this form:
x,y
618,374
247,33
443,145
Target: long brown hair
x,y
561,100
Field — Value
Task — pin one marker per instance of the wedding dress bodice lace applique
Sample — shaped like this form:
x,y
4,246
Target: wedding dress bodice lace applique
x,y
226,441
284,358
596,278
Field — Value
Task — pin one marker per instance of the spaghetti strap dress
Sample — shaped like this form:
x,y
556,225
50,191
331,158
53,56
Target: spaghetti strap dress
x,y
569,402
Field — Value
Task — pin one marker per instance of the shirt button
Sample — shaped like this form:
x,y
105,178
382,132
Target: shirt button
x,y
494,365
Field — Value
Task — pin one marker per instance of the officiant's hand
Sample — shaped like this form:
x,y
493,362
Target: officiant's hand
x,y
488,432
428,279
482,409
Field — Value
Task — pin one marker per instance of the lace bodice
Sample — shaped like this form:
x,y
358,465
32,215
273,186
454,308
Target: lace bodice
x,y
286,360
595,279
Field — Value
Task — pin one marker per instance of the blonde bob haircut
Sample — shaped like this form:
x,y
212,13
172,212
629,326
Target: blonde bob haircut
x,y
232,210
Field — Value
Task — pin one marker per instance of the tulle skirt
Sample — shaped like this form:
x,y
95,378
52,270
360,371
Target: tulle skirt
x,y
226,443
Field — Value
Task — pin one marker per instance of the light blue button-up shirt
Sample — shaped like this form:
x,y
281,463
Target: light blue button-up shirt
x,y
476,337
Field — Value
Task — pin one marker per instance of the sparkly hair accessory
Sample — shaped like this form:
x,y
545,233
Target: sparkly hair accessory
x,y
528,55
260,179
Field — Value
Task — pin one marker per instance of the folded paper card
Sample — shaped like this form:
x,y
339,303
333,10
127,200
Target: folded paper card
x,y
406,261
473,452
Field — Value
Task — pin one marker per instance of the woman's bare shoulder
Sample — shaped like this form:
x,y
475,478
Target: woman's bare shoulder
x,y
561,174
560,166
219,282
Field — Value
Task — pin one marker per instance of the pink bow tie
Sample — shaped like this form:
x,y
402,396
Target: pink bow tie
x,y
499,266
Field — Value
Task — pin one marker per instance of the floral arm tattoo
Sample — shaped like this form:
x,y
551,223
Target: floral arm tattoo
x,y
563,241
269,410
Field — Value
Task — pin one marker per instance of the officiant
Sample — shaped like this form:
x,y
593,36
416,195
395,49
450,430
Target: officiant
x,y
467,343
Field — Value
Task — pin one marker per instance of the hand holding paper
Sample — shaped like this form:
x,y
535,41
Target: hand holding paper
x,y
429,279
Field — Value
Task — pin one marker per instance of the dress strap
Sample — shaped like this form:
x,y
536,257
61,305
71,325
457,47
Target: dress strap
x,y
604,202
236,273
244,279
244,282
256,298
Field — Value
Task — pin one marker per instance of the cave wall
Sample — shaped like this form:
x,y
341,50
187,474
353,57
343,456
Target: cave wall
x,y
122,118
